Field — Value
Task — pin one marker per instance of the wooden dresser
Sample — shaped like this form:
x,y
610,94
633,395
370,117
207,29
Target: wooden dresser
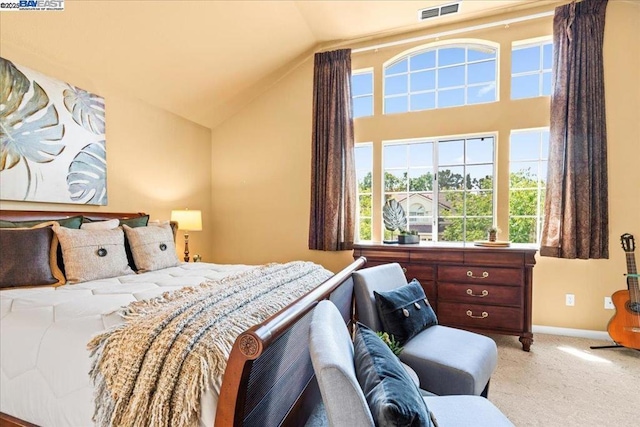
x,y
475,288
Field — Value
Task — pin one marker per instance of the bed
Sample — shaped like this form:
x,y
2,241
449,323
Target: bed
x,y
268,379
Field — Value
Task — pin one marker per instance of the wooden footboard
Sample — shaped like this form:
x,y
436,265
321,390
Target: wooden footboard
x,y
269,380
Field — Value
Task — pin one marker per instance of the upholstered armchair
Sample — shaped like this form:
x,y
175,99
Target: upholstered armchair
x,y
391,397
448,361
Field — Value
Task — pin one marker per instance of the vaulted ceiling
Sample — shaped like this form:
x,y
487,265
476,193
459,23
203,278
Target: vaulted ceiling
x,y
199,58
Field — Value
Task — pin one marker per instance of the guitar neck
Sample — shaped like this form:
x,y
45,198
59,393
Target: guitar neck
x,y
632,281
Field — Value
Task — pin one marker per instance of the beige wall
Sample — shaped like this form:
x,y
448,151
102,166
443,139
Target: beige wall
x,y
156,161
261,169
261,179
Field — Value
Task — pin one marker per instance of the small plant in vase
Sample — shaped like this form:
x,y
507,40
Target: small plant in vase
x,y
390,341
493,233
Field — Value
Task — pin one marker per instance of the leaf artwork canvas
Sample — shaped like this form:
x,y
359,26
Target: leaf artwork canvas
x,y
52,140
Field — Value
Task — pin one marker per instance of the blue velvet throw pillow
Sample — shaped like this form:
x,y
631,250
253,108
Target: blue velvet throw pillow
x,y
392,396
405,311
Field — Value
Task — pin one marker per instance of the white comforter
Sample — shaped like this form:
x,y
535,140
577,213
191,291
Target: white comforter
x,y
44,332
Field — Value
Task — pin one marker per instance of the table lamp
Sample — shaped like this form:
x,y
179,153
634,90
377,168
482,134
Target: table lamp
x,y
187,221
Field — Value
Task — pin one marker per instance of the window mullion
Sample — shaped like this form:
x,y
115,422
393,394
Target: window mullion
x,y
435,221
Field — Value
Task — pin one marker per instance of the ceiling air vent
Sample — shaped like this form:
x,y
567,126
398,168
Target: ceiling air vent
x,y
429,13
450,8
434,12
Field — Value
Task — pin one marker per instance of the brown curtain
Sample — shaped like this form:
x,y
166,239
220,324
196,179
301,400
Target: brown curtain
x,y
332,218
576,204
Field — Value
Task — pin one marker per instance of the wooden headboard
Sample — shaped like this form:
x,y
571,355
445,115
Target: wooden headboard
x,y
7,215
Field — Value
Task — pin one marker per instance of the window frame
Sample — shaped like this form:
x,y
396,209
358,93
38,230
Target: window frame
x,y
539,42
361,71
436,167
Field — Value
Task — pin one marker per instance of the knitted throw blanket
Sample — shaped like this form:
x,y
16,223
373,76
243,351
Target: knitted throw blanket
x,y
153,369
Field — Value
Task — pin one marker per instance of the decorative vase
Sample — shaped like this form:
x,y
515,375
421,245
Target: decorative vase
x,y
492,235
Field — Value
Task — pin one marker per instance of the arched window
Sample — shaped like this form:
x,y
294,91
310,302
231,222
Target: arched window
x,y
443,76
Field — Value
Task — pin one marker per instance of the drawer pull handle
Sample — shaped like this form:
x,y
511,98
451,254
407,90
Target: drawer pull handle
x,y
481,295
482,316
404,270
484,275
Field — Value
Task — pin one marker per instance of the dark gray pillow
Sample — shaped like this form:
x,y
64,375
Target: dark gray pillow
x,y
28,257
405,311
392,396
73,222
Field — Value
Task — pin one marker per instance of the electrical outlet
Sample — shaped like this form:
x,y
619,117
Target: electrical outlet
x,y
608,304
570,300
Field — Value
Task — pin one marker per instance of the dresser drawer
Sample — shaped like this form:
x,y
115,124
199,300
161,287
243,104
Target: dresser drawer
x,y
480,294
474,274
424,275
383,256
479,316
417,271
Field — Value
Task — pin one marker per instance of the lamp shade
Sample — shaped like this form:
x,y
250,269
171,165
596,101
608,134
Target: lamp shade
x,y
188,220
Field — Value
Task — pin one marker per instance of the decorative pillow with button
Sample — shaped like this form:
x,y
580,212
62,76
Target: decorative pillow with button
x,y
152,247
92,254
138,221
405,311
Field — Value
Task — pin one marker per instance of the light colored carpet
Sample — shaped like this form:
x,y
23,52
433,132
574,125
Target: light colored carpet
x,y
562,382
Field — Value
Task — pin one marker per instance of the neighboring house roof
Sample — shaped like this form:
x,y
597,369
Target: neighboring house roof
x,y
423,197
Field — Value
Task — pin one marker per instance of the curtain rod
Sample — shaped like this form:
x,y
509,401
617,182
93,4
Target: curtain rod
x,y
452,32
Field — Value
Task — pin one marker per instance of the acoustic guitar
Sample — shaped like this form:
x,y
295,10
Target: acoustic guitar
x,y
624,326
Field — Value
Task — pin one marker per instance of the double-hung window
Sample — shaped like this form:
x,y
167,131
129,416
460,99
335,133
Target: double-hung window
x,y
445,186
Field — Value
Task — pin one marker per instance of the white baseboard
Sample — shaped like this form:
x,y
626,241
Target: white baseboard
x,y
579,333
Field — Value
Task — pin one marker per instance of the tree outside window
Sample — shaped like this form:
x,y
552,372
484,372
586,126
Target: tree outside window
x,y
529,155
364,167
